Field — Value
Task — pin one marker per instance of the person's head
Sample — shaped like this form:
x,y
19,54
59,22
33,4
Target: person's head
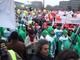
x,y
70,31
31,32
23,27
8,29
68,54
14,35
43,47
22,22
3,48
65,33
59,25
2,43
50,31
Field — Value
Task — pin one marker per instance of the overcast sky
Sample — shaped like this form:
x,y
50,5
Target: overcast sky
x,y
47,2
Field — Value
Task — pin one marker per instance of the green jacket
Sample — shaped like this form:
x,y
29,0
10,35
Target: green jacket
x,y
67,45
50,29
77,47
22,33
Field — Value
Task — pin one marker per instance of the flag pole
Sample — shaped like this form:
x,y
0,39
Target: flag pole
x,y
43,4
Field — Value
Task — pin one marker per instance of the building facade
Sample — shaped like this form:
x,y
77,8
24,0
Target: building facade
x,y
69,5
75,4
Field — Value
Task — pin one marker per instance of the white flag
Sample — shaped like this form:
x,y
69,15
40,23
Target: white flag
x,y
7,14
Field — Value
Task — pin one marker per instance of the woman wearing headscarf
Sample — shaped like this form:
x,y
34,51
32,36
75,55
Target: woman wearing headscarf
x,y
63,38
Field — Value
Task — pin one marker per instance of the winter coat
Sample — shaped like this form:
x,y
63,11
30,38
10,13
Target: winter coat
x,y
29,46
10,57
18,47
39,56
67,45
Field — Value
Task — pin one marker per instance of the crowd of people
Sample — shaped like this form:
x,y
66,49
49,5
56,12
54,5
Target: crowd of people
x,y
38,37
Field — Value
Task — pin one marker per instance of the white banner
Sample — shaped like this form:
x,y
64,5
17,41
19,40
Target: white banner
x,y
72,21
7,14
69,20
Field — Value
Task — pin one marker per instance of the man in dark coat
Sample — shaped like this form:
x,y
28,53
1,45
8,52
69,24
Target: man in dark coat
x,y
15,44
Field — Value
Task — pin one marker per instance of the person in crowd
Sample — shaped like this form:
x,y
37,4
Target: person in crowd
x,y
45,26
42,51
7,33
70,31
6,54
30,43
67,44
77,48
51,38
25,19
68,54
58,30
64,38
44,34
38,29
75,29
16,45
58,33
22,32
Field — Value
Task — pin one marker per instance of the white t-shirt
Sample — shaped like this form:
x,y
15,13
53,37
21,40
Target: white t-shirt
x,y
58,32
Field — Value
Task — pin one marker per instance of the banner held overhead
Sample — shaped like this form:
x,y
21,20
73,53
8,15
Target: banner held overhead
x,y
7,14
